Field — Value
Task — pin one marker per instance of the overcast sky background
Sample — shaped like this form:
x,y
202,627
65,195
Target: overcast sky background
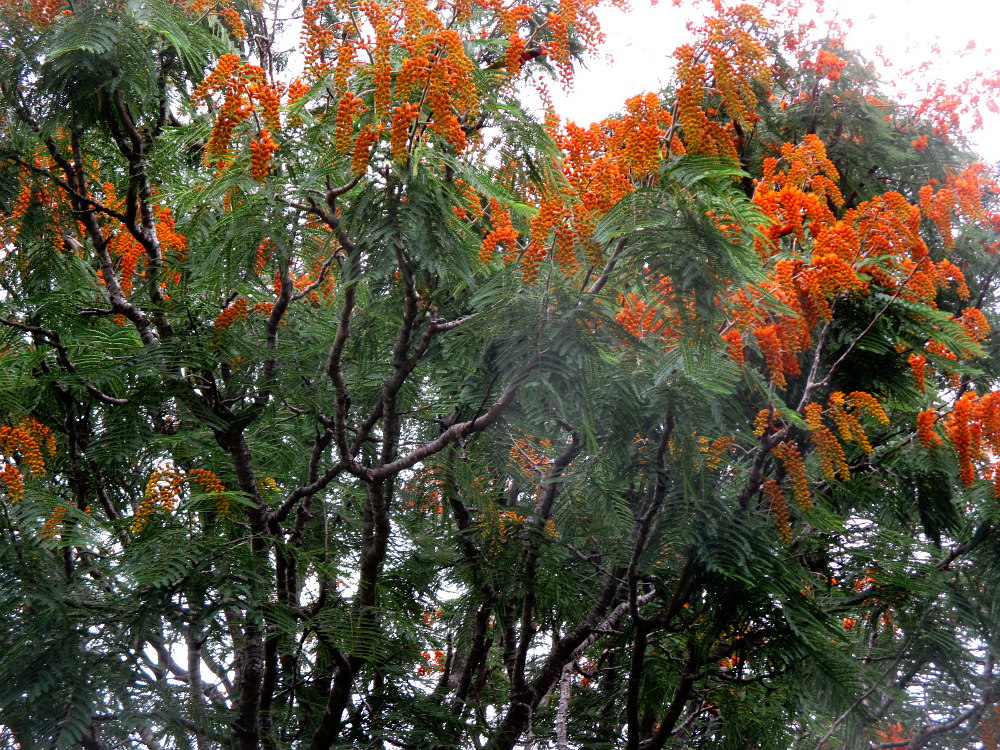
x,y
637,55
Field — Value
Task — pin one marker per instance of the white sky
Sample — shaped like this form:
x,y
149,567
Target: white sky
x,y
640,44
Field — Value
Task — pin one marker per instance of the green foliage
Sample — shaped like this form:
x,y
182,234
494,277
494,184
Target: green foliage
x,y
325,473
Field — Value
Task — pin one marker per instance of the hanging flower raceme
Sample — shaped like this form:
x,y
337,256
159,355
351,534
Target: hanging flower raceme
x,y
965,434
23,446
239,90
829,452
795,468
261,151
925,429
317,40
166,487
502,234
211,485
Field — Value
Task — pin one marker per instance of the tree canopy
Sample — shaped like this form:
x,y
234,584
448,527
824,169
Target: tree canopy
x,y
348,400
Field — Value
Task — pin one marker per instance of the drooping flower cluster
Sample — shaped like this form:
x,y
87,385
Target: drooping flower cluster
x,y
715,450
211,485
163,492
925,429
795,469
528,456
261,151
54,523
829,452
24,446
224,9
166,487
244,90
973,428
728,63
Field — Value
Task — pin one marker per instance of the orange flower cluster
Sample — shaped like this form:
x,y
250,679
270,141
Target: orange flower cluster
x,y
975,323
366,139
434,663
497,524
403,118
54,523
701,135
503,232
779,352
528,459
714,450
124,247
844,411
296,90
263,255
918,364
599,165
510,520
803,190
127,251
738,63
162,494
164,490
832,461
775,498
379,20
795,468
893,252
42,13
171,241
425,489
24,445
212,485
513,59
641,319
234,313
13,481
578,16
222,8
828,65
866,403
877,242
232,18
10,223
349,107
734,344
762,422
261,151
925,429
244,89
938,207
973,427
317,38
49,212
440,71
893,733
549,213
970,185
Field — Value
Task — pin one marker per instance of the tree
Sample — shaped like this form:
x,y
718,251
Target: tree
x,y
346,402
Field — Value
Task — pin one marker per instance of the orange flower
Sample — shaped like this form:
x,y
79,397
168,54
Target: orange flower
x,y
261,151
795,468
925,429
